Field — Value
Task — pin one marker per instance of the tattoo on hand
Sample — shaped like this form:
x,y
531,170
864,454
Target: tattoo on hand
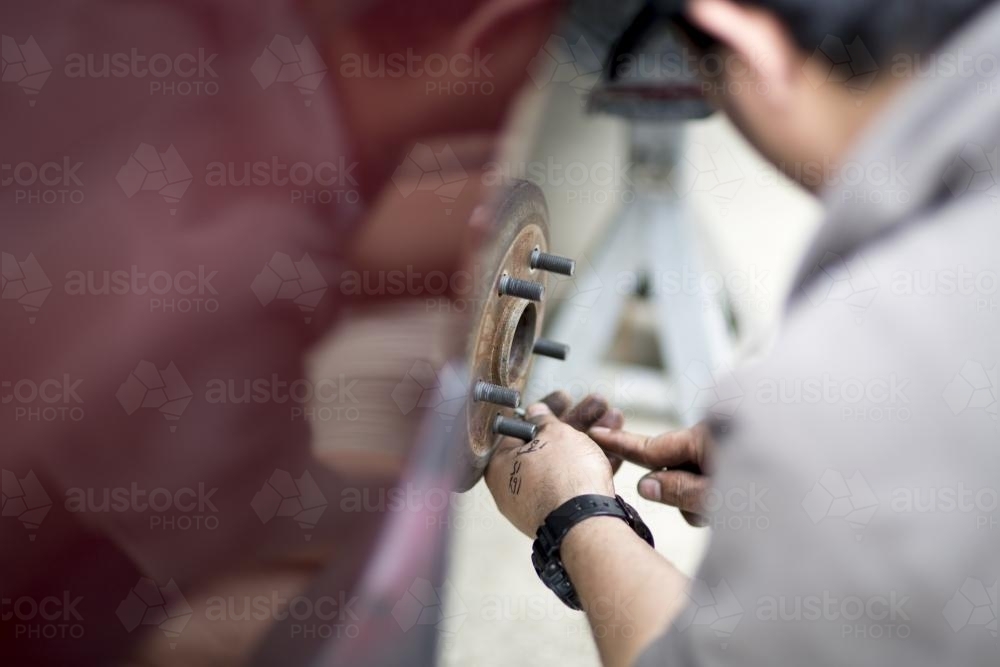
x,y
530,447
514,483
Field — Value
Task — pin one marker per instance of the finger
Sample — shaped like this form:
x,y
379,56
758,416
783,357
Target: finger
x,y
587,412
540,415
661,451
615,420
683,490
559,402
696,520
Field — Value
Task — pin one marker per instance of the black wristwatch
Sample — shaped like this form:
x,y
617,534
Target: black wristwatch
x,y
545,554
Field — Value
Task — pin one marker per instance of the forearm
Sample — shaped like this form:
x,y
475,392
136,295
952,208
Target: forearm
x,y
629,591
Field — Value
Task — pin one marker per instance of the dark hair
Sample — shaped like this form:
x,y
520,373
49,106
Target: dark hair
x,y
885,27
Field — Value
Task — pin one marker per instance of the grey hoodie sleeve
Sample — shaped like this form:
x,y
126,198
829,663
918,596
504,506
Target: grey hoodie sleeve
x,y
856,499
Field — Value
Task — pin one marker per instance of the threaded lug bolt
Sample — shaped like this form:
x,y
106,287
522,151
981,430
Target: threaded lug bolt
x,y
486,392
524,289
550,348
515,428
552,263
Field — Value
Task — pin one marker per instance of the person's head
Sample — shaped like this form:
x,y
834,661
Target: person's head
x,y
802,78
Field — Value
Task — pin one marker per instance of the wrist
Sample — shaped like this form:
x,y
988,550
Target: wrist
x,y
590,536
577,521
555,501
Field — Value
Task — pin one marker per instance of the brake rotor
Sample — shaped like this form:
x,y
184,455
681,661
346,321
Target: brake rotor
x,y
505,327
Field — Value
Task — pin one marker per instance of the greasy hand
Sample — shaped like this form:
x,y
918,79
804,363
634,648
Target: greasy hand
x,y
680,461
529,480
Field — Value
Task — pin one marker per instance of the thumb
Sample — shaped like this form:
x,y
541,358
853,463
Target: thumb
x,y
540,415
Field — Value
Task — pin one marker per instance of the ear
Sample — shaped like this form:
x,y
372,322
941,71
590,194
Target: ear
x,y
756,35
494,16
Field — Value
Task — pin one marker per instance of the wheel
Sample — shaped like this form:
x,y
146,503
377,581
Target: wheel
x,y
499,343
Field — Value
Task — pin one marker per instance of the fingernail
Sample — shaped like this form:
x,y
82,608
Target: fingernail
x,y
599,431
538,409
649,488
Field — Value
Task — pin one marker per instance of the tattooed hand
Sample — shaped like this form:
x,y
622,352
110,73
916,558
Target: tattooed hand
x,y
530,479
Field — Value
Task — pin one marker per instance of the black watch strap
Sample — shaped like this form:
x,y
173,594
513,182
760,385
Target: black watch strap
x,y
545,554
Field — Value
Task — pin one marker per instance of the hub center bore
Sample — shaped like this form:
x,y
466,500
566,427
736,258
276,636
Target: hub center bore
x,y
513,354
